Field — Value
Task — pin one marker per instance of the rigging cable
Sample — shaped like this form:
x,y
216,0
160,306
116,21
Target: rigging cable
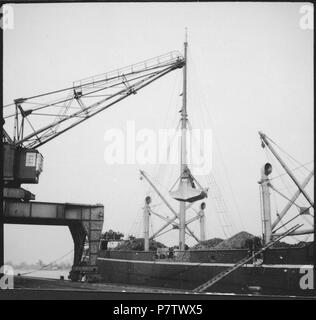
x,y
221,206
47,265
270,159
302,165
296,168
222,158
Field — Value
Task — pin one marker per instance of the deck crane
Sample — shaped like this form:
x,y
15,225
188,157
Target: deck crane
x,y
23,163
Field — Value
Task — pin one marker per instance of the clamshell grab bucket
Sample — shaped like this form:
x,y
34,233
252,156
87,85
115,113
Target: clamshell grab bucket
x,y
187,190
188,194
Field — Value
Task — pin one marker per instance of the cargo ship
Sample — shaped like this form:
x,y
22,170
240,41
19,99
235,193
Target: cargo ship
x,y
260,265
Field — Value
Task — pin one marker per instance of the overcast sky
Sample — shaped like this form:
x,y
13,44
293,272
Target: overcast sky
x,y
250,68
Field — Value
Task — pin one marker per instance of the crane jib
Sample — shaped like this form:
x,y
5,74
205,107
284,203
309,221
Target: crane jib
x,y
113,87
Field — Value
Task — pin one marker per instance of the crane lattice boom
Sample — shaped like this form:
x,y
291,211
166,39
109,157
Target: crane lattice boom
x,y
84,99
41,118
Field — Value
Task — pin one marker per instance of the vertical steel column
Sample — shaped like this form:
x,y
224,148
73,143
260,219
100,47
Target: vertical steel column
x,y
146,227
183,147
1,175
202,225
266,207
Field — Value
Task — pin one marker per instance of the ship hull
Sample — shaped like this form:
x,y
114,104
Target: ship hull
x,y
140,269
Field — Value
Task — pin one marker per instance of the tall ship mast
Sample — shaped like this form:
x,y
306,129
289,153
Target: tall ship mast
x,y
188,189
183,164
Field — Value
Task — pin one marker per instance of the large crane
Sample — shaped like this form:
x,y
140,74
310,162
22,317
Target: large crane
x,y
38,119
32,122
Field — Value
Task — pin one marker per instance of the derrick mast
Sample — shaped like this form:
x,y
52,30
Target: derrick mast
x,y
189,190
183,165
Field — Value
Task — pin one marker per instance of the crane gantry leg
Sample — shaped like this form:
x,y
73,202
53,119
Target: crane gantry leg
x,y
84,222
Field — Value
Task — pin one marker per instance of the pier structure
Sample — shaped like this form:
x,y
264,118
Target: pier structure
x,y
85,223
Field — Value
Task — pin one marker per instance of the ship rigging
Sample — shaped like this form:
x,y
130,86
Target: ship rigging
x,y
188,189
23,163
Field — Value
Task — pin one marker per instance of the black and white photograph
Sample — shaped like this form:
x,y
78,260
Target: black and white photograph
x,y
157,151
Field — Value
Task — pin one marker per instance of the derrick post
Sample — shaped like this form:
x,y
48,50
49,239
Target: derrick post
x,y
266,202
202,222
146,223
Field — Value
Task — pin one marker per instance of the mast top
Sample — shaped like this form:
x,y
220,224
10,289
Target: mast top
x,y
261,134
184,93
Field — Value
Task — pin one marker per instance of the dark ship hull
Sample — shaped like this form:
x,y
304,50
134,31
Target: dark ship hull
x,y
279,274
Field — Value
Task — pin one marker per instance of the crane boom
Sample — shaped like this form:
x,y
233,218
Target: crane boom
x,y
69,107
104,90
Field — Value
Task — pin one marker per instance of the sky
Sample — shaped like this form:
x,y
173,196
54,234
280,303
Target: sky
x,y
250,68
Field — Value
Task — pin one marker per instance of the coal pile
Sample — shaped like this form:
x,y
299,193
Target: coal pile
x,y
238,241
207,244
137,244
300,244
